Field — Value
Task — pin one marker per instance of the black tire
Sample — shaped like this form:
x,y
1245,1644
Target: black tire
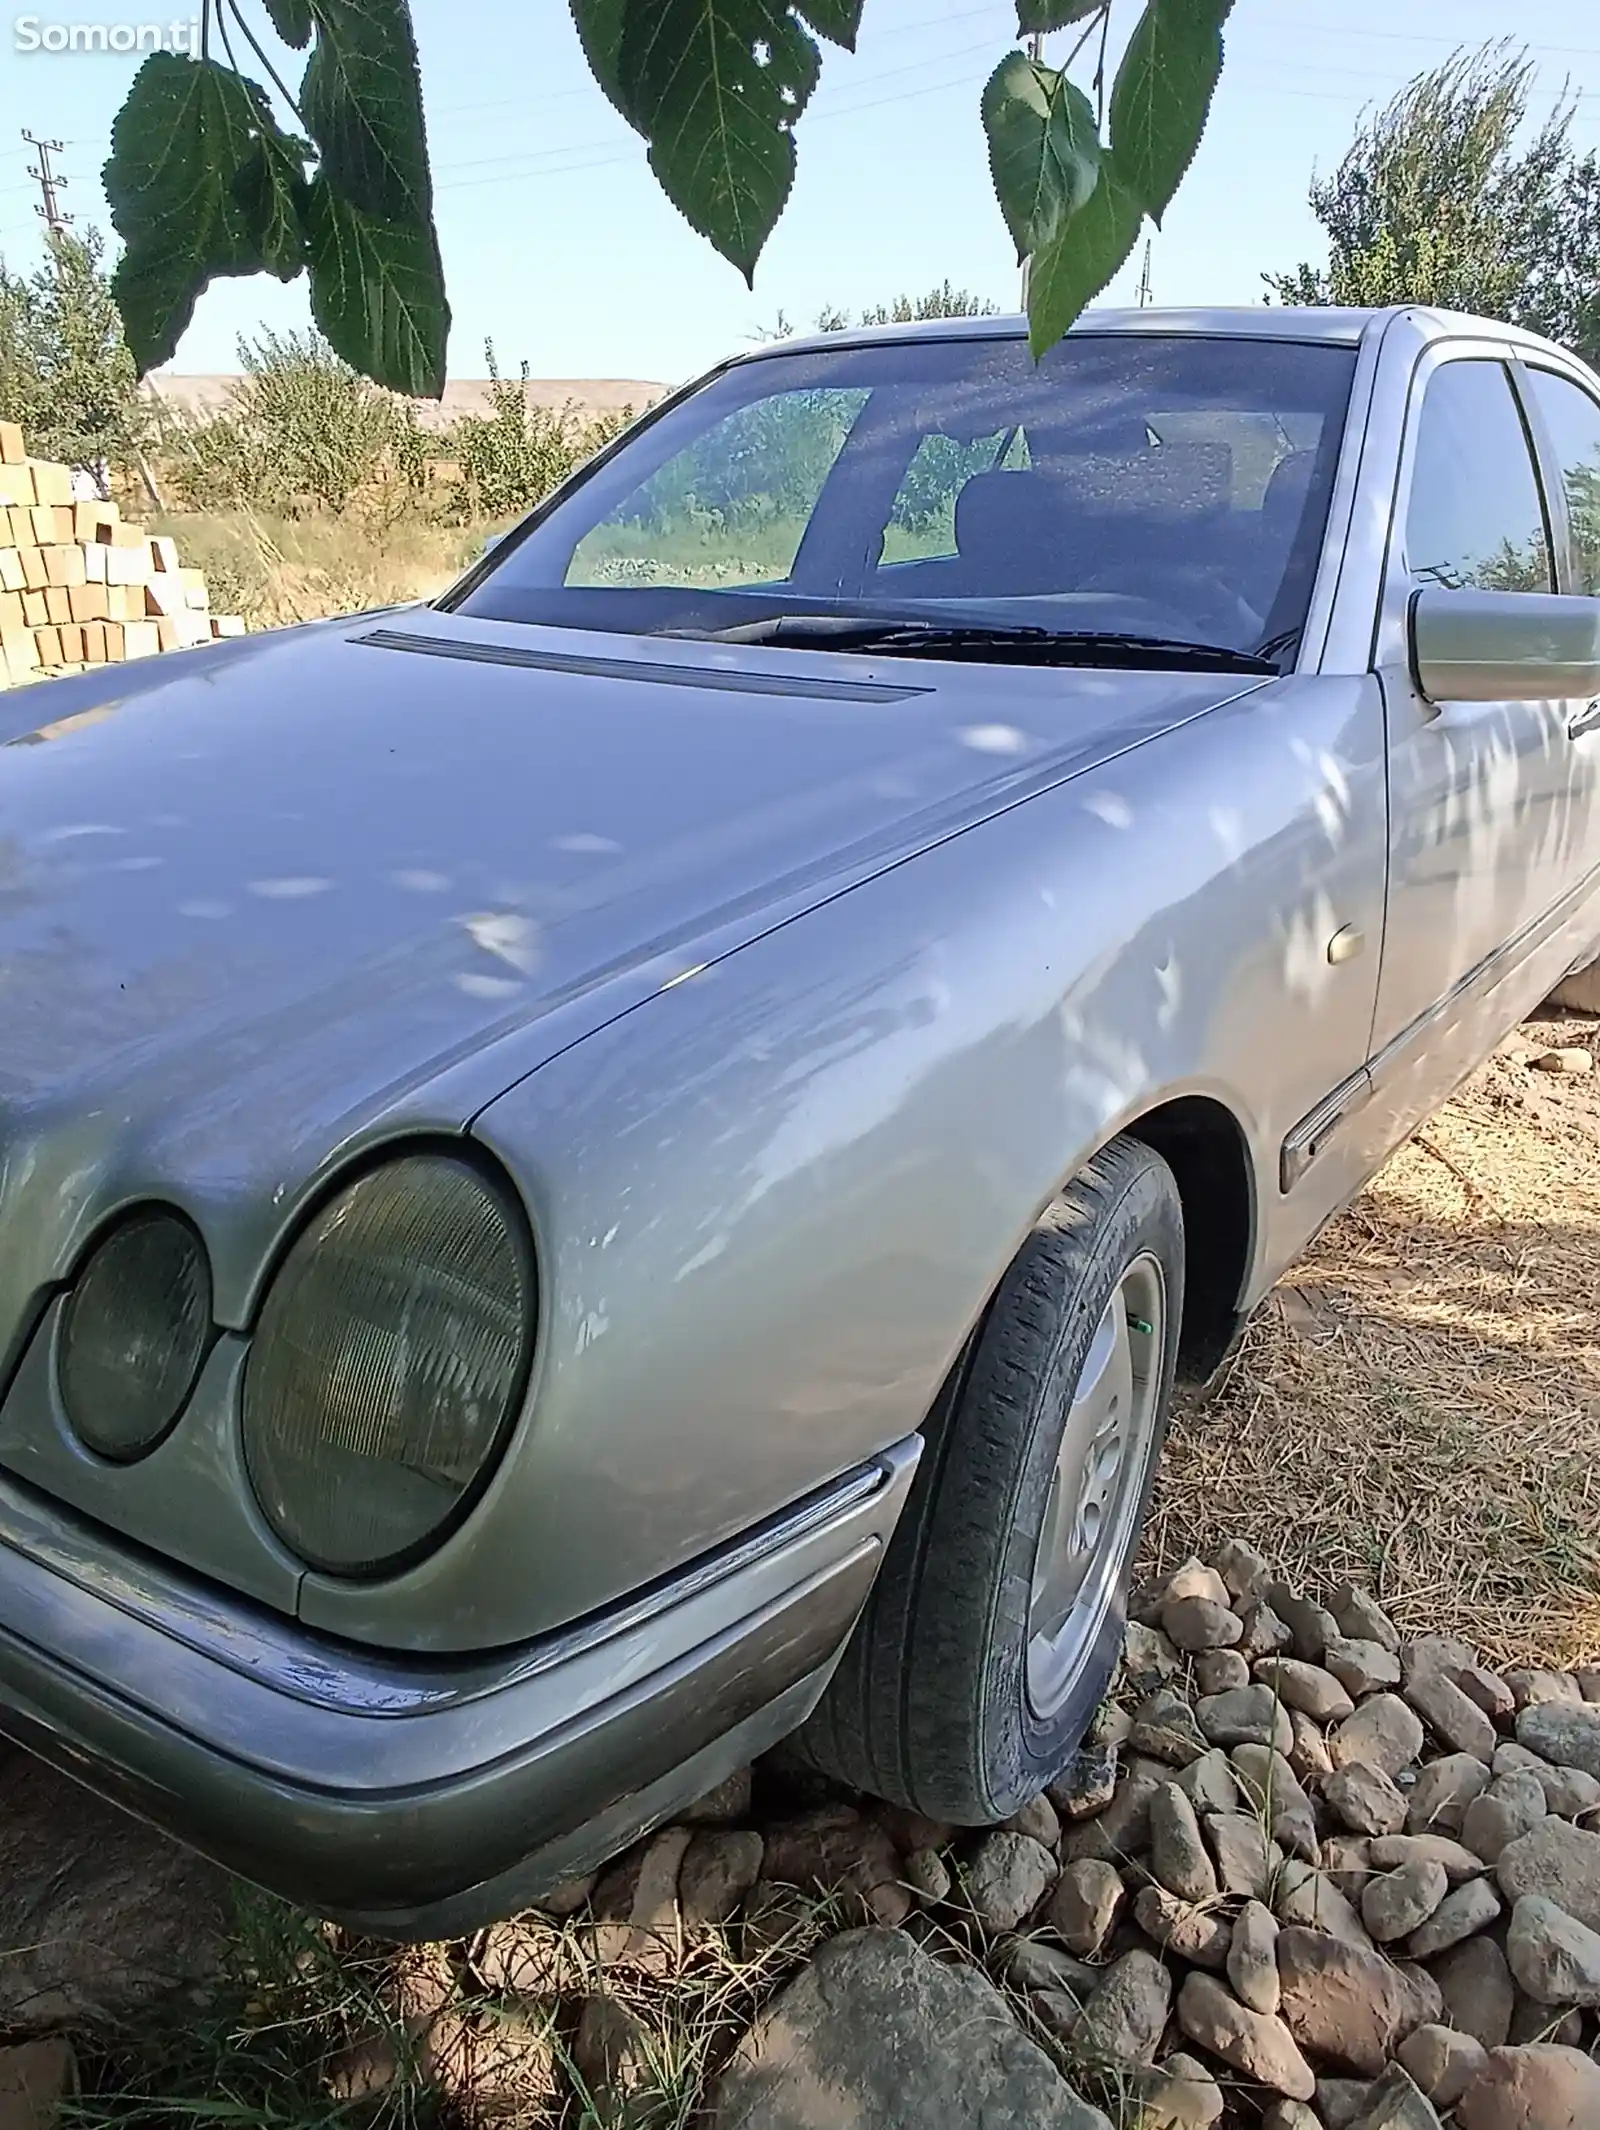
x,y
930,1705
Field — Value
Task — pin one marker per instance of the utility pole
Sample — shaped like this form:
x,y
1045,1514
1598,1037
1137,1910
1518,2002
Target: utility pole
x,y
1036,54
51,184
1146,293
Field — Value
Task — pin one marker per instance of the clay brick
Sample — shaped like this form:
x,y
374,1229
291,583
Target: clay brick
x,y
34,574
12,449
52,484
34,615
88,602
49,644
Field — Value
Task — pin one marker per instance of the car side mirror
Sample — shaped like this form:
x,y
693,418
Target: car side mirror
x,y
1490,647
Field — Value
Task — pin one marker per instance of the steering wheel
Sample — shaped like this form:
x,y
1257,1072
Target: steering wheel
x,y
1219,614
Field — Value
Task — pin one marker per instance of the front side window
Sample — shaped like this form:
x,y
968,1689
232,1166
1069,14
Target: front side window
x,y
1476,517
1572,419
1166,485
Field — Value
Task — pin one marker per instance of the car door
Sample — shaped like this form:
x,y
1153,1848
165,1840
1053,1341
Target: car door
x,y
1485,816
1566,417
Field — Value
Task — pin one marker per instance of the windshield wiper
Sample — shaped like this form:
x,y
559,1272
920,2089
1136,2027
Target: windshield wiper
x,y
1016,644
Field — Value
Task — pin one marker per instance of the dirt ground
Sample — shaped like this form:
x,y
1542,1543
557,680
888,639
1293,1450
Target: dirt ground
x,y
1419,1405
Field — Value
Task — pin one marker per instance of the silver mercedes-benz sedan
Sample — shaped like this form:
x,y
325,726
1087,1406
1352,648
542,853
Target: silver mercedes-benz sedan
x,y
622,1164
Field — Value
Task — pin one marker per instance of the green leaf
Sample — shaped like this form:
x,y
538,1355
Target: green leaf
x,y
599,26
837,20
377,293
1162,95
1034,15
183,183
292,21
716,86
1044,149
272,190
362,103
1082,257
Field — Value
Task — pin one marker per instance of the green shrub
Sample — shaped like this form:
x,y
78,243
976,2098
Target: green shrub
x,y
304,432
511,457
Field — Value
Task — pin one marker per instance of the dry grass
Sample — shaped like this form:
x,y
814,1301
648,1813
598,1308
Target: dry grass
x,y
275,571
1419,1406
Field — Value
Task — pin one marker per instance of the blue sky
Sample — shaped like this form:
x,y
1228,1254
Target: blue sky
x,y
558,245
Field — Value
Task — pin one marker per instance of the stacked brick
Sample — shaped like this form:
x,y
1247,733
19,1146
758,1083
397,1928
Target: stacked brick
x,y
80,587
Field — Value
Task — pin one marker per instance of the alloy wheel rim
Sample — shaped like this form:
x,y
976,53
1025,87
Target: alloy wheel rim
x,y
1097,1484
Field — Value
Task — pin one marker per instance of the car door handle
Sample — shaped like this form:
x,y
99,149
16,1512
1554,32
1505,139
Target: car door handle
x,y
1585,720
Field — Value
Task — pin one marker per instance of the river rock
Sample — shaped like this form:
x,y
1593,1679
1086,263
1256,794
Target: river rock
x,y
1177,1853
1038,1820
910,2039
1253,1958
1567,1733
1384,1732
1247,1857
1264,1633
1085,1905
1199,1935
1361,1667
1342,2005
1272,1788
834,1850
1257,2047
1361,1617
1531,1685
1193,1624
1391,1851
1179,2093
1364,1799
1123,1828
1087,1784
1469,1908
1252,1715
1394,2103
1208,1782
1126,2016
719,1868
1443,2062
1308,1753
1164,1726
1310,1899
1554,1957
1442,1793
1561,1862
1311,1627
1006,1878
1220,1671
1244,1571
1399,1902
1543,2087
1510,1806
1478,1991
1307,1687
1194,1579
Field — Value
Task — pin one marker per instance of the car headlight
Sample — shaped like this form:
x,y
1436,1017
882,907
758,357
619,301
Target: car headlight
x,y
388,1363
135,1332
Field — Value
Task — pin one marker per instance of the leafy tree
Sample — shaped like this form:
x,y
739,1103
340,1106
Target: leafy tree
x,y
1444,198
213,174
65,371
516,453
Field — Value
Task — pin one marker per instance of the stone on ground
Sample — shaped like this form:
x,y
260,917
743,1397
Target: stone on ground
x,y
1442,1793
878,2034
1177,1853
1467,1909
1256,2046
1309,1688
1085,1905
1250,1715
1391,1851
835,1850
1253,1958
1178,2094
101,1917
1564,1732
1006,1878
1194,1624
1478,1991
1342,2005
719,1868
1510,1806
35,2078
1201,1936
1561,1862
1443,2062
1361,1667
1542,2087
1361,1617
1394,2103
1385,1733
1364,1799
1124,2019
1086,1784
1399,1902
1554,1957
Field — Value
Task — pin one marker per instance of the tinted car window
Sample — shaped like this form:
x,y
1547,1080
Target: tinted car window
x,y
1476,517
1573,420
1173,485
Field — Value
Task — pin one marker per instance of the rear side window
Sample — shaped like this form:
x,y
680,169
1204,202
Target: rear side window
x,y
1476,516
1573,421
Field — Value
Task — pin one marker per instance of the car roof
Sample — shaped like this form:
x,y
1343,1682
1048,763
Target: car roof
x,y
1330,324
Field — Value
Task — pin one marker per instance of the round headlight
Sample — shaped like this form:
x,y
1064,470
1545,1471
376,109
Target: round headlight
x,y
135,1334
388,1363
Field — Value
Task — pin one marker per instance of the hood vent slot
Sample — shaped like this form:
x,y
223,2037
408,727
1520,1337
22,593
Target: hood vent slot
x,y
744,681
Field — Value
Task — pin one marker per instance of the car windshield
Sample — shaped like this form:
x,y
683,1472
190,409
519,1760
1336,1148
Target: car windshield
x,y
1168,490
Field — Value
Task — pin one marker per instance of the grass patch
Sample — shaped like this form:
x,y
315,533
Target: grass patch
x,y
1418,1408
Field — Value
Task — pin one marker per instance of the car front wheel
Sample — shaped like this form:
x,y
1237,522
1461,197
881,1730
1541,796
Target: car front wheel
x,y
995,1623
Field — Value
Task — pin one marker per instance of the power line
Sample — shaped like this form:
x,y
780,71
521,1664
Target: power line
x,y
50,182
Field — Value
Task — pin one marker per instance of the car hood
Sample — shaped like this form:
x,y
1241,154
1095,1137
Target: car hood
x,y
247,905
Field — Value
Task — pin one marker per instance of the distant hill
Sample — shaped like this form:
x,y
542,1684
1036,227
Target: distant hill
x,y
464,395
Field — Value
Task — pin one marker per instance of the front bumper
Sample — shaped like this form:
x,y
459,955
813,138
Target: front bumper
x,y
417,1797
